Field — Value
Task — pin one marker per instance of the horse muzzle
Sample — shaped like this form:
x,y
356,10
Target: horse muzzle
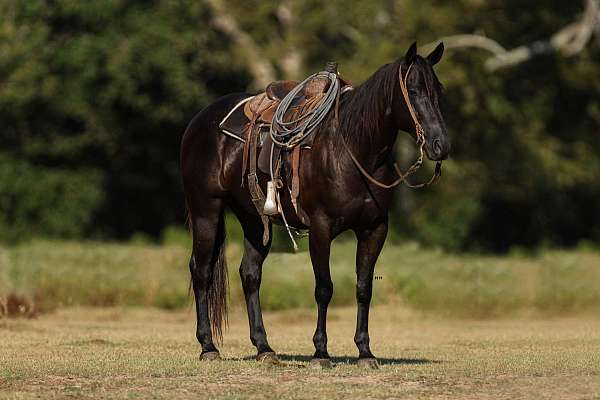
x,y
438,149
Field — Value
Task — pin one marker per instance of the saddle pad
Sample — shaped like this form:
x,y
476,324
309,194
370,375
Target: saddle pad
x,y
235,121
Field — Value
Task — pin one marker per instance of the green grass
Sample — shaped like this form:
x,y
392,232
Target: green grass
x,y
51,275
146,353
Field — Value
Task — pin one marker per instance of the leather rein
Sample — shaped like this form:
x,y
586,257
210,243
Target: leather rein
x,y
420,133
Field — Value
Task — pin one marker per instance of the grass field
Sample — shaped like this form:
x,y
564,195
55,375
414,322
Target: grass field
x,y
115,321
148,353
52,275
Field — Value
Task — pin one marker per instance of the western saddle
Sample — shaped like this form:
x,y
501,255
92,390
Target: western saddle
x,y
262,153
262,107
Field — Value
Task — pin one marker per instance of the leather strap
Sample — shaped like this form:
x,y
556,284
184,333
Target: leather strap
x,y
248,128
418,127
256,193
295,177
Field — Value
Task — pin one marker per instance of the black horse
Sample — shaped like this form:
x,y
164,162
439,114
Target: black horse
x,y
333,193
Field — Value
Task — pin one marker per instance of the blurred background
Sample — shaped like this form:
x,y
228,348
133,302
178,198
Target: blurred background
x,y
95,96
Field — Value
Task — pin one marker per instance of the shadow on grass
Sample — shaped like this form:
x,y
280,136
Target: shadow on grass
x,y
353,360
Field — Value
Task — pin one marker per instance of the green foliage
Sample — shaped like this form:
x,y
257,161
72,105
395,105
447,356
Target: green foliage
x,y
473,289
109,87
570,285
38,201
94,98
176,236
444,216
58,274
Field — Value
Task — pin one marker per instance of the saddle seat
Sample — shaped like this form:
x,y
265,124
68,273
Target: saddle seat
x,y
262,107
279,89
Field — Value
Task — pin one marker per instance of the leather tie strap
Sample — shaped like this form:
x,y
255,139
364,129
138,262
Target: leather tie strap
x,y
418,128
295,177
256,193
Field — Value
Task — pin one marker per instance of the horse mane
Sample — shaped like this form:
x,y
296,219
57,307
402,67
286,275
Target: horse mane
x,y
361,109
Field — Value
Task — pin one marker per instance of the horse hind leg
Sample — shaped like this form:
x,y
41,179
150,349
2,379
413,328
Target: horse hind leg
x,y
255,253
209,274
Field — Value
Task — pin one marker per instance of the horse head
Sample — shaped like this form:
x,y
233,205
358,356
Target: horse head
x,y
422,92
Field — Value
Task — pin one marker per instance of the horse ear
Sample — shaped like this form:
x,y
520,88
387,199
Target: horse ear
x,y
411,54
436,55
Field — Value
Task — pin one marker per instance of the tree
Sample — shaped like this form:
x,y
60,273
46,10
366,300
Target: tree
x,y
94,97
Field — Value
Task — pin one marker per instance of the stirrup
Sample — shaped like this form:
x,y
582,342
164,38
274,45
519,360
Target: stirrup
x,y
270,207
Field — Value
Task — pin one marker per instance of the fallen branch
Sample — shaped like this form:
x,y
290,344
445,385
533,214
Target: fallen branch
x,y
568,41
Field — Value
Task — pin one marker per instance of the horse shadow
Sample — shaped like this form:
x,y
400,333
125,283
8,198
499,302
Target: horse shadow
x,y
291,358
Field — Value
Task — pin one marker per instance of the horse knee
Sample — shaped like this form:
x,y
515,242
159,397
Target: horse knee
x,y
200,273
251,277
364,291
323,293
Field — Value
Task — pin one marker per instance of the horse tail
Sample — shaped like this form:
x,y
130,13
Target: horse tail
x,y
218,282
217,289
188,225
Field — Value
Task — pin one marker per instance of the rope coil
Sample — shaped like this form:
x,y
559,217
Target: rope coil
x,y
289,133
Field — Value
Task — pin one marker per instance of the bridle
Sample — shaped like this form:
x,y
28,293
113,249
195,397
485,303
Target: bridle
x,y
420,139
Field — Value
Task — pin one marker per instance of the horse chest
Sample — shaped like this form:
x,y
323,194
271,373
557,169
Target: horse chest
x,y
351,209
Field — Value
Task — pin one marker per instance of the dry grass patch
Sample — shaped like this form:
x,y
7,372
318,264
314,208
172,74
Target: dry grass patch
x,y
141,353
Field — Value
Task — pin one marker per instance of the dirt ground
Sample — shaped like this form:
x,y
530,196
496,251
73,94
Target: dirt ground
x,y
146,353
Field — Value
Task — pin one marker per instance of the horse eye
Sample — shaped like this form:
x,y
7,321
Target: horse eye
x,y
412,92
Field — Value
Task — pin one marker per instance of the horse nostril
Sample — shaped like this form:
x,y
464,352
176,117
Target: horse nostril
x,y
437,147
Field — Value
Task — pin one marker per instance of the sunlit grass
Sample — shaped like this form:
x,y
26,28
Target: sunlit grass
x,y
57,274
147,353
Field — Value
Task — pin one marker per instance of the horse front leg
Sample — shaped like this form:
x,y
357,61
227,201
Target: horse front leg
x,y
370,243
320,246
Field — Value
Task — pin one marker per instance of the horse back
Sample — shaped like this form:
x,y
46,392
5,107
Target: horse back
x,y
208,158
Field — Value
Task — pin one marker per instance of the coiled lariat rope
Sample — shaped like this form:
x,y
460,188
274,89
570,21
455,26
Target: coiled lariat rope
x,y
289,133
420,138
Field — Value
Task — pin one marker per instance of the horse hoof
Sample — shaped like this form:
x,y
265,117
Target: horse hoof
x,y
210,356
321,363
268,358
368,363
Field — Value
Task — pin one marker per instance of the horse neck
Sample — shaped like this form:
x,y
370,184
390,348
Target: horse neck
x,y
367,121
